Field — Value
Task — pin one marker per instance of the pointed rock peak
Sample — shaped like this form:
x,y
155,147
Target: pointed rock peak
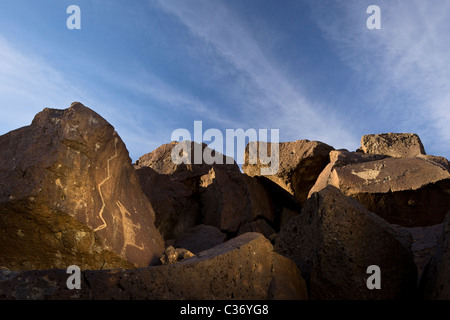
x,y
76,103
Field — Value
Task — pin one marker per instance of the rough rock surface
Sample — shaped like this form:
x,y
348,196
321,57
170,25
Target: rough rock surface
x,y
200,238
245,268
300,163
340,158
406,191
175,203
69,195
399,145
39,285
219,195
425,240
213,194
172,255
335,239
435,282
271,203
68,191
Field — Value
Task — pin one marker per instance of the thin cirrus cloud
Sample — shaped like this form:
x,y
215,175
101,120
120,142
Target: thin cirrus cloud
x,y
206,60
406,62
27,85
274,98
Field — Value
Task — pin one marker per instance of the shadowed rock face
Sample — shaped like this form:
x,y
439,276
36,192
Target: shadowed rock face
x,y
333,242
425,240
245,267
191,194
67,186
174,202
200,238
435,282
300,163
219,195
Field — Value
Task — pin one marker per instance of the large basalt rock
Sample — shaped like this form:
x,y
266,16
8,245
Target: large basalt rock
x,y
407,191
200,238
216,194
175,203
340,158
435,282
193,162
425,241
244,268
67,190
300,163
399,145
334,241
272,205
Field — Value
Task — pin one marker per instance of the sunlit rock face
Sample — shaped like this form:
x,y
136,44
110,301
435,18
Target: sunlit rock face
x,y
412,190
68,191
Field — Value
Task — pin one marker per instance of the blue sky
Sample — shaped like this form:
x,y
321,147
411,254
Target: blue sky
x,y
310,68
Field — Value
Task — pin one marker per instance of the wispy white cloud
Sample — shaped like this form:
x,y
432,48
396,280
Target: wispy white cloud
x,y
174,98
274,98
407,59
29,83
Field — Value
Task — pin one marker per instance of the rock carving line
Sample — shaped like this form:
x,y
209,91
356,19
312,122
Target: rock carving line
x,y
104,225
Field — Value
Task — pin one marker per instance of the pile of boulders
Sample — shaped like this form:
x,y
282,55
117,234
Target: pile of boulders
x,y
156,229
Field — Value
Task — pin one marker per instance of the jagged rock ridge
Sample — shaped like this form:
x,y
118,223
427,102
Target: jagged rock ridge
x,y
70,195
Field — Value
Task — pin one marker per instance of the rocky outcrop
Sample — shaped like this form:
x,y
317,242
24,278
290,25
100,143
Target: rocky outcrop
x,y
185,195
407,191
334,241
212,194
435,282
244,268
398,145
175,203
300,163
425,241
185,223
68,192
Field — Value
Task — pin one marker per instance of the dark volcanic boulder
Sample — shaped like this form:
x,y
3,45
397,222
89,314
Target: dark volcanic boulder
x,y
334,240
213,194
175,203
200,238
185,195
407,191
425,241
435,282
300,163
68,192
244,268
